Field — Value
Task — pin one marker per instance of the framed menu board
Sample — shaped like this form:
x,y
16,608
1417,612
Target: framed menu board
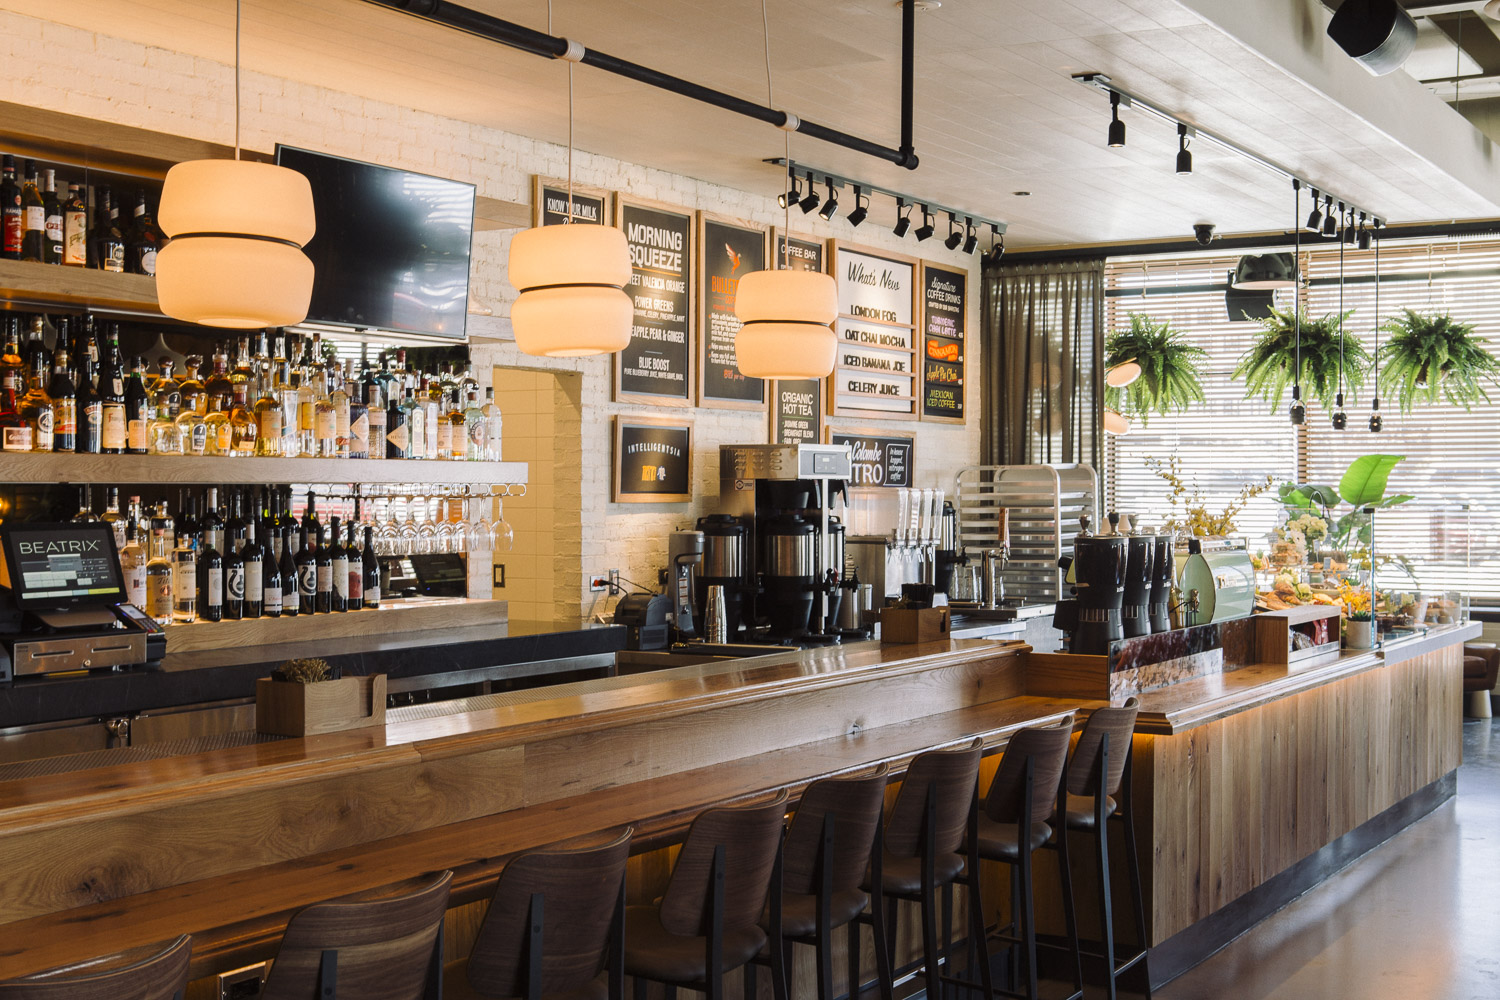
x,y
878,460
875,373
653,460
944,306
657,364
797,404
727,250
549,203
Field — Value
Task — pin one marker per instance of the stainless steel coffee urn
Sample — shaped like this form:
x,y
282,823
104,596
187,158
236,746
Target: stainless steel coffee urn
x,y
789,574
724,565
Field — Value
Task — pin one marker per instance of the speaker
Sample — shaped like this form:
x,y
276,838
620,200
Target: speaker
x,y
1378,34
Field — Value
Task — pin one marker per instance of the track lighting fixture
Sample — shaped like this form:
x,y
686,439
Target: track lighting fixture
x,y
861,209
830,204
1184,158
955,236
1116,127
1331,221
903,218
1315,217
1364,233
1350,235
971,240
997,246
924,231
793,194
811,201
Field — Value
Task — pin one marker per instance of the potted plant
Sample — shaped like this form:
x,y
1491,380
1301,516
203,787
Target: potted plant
x,y
1429,356
1267,367
307,697
1169,380
1359,619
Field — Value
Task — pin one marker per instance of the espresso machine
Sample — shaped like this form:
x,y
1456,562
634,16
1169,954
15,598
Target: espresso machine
x,y
782,496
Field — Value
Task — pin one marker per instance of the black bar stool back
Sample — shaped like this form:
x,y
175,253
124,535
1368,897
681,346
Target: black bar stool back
x,y
132,975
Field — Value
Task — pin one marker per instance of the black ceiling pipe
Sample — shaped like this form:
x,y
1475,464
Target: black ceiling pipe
x,y
540,43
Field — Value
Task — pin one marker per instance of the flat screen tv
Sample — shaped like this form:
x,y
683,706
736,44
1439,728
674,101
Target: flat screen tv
x,y
392,247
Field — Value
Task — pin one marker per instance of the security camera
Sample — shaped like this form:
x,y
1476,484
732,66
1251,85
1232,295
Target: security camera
x,y
1204,231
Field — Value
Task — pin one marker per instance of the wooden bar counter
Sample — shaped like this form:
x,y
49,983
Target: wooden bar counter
x,y
1242,776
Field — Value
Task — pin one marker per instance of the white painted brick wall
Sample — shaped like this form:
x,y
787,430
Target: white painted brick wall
x,y
95,75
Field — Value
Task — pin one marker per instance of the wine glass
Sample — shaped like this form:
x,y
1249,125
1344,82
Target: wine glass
x,y
407,533
427,531
502,535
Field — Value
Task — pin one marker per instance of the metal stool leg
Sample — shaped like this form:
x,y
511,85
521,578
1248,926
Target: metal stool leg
x,y
1070,915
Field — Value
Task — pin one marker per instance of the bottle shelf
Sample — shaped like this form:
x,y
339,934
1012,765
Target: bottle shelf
x,y
391,618
62,467
29,284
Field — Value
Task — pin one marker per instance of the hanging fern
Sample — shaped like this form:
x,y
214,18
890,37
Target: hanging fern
x,y
1169,380
1429,357
1266,368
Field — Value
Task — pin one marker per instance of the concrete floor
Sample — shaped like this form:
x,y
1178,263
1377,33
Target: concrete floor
x,y
1416,918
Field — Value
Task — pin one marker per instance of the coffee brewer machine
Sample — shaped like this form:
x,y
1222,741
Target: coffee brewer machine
x,y
781,497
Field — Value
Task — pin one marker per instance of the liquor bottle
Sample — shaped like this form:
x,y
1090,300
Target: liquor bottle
x,y
191,425
86,513
14,213
253,558
287,384
145,239
162,520
475,427
64,400
268,420
359,420
272,587
291,590
90,404
184,579
242,426
397,439
493,425
375,402
416,421
113,516
218,386
159,576
15,432
210,581
234,576
442,447
75,229
135,514
432,408
112,239
34,235
212,522
323,602
112,395
356,569
338,569
370,568
133,567
338,398
52,221
458,429
325,444
138,412
36,405
188,525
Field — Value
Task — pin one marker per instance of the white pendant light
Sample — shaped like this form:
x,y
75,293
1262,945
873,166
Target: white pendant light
x,y
1116,423
237,229
1120,375
785,315
571,279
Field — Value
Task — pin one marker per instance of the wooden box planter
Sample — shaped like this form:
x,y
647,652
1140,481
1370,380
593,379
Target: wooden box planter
x,y
1274,631
284,708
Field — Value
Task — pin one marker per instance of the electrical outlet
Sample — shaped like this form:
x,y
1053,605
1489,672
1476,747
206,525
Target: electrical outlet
x,y
614,582
499,575
598,584
242,984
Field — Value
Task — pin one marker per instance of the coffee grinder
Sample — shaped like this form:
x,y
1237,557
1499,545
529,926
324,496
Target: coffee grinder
x,y
1099,576
684,562
1140,557
1163,571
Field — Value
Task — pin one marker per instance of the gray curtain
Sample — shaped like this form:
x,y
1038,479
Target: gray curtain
x,y
1042,379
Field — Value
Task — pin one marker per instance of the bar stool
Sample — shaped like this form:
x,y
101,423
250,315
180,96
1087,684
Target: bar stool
x,y
1013,825
1098,787
555,928
833,840
132,975
708,921
369,946
934,815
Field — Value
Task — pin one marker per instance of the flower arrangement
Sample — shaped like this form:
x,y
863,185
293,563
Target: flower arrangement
x,y
1303,529
1356,601
1190,514
307,671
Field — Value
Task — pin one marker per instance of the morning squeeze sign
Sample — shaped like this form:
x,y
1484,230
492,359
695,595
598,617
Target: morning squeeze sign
x,y
657,360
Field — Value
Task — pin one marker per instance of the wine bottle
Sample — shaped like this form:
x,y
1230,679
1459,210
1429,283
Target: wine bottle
x,y
133,568
254,560
64,400
145,238
370,566
213,521
210,581
324,599
90,405
356,570
75,229
291,591
138,412
112,395
52,221
15,432
185,578
310,522
338,569
13,212
234,577
271,585
112,240
34,219
307,575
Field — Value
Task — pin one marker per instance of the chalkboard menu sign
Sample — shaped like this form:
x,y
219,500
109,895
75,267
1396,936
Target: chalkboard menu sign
x,y
658,360
653,460
797,404
875,372
728,252
944,304
551,204
878,461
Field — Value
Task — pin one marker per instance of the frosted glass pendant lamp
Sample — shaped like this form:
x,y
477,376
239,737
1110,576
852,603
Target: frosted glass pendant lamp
x,y
237,229
786,317
1116,423
572,302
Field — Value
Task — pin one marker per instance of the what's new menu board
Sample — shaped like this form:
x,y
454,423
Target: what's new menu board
x,y
875,372
878,461
727,252
657,363
797,404
550,204
653,460
944,306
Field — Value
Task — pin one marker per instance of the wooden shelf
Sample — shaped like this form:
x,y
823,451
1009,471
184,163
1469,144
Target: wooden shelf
x,y
76,287
403,617
73,468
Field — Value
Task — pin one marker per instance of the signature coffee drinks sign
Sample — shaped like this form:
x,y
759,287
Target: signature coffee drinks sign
x,y
944,305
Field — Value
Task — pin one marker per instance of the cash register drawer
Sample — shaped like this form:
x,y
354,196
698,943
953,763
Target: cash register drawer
x,y
57,654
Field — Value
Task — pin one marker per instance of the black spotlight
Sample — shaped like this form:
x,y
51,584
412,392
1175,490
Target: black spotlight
x,y
793,195
811,201
831,206
1366,235
903,218
924,231
1331,221
1298,409
955,236
971,241
997,245
1378,34
1377,422
861,210
1315,217
1184,158
1116,127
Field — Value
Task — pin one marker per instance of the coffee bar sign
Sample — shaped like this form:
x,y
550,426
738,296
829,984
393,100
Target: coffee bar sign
x,y
875,373
878,461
